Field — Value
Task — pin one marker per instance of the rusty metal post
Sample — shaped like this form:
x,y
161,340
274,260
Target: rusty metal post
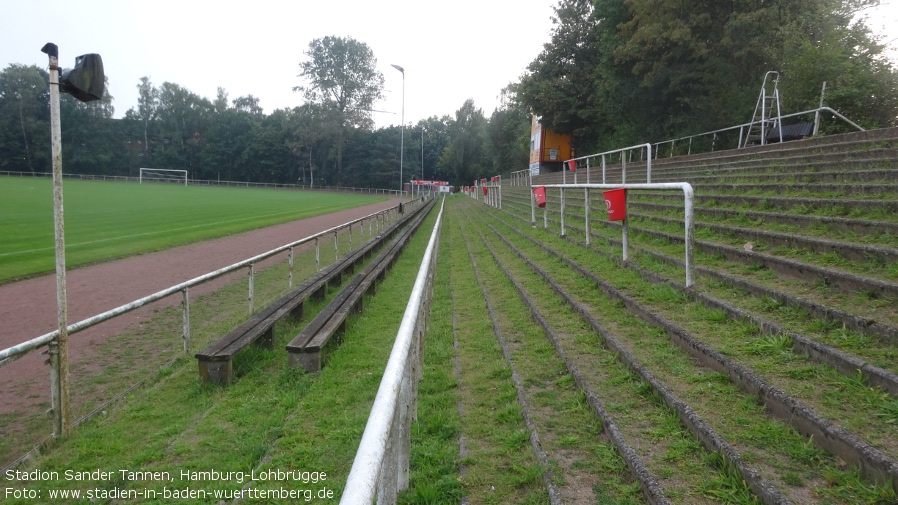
x,y
251,286
185,313
290,256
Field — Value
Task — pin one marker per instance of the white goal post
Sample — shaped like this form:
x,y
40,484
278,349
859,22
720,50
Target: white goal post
x,y
163,175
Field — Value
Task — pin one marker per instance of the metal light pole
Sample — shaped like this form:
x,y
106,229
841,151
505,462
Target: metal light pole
x,y
402,132
86,83
59,348
422,152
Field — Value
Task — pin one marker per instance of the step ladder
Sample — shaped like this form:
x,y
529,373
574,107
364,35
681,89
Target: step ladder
x,y
765,118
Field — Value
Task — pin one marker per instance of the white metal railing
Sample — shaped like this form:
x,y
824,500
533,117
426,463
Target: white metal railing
x,y
520,177
381,465
688,196
378,218
741,129
601,157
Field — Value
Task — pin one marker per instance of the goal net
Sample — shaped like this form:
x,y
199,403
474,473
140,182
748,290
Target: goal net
x,y
163,175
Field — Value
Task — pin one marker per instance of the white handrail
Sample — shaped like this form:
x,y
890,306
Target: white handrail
x,y
381,464
648,161
688,194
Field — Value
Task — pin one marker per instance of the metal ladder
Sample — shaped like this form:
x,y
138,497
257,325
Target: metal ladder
x,y
763,119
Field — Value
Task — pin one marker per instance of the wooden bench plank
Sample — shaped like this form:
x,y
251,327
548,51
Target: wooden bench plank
x,y
305,349
215,360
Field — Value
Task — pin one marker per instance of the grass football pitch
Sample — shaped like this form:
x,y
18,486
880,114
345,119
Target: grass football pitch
x,y
105,220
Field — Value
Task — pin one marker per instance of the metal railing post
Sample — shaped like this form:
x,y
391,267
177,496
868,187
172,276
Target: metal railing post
x,y
252,276
623,169
586,212
53,360
290,262
185,315
562,212
532,209
648,164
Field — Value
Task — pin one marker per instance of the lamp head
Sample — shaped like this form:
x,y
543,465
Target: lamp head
x,y
86,81
397,67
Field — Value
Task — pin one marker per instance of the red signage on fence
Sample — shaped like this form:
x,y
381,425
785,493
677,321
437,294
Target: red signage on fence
x,y
539,193
573,165
616,204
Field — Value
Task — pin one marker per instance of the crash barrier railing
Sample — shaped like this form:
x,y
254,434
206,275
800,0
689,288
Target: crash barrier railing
x,y
492,194
202,182
491,190
381,465
520,178
375,222
726,136
624,154
685,187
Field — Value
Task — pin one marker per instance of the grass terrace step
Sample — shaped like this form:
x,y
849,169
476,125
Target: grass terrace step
x,y
668,248
800,264
606,271
673,367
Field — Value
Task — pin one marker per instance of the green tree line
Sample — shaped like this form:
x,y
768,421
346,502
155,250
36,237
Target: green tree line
x,y
328,141
613,73
623,72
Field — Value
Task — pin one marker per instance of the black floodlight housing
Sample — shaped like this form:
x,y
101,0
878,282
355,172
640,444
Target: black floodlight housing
x,y
86,81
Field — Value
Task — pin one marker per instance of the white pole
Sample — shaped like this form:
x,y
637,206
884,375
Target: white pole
x,y
401,133
60,391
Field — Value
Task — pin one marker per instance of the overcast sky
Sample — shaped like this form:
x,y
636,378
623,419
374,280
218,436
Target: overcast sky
x,y
451,51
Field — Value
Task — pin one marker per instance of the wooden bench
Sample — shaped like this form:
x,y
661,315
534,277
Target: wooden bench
x,y
215,360
305,349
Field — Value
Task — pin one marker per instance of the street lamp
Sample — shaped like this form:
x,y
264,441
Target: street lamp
x,y
402,131
422,152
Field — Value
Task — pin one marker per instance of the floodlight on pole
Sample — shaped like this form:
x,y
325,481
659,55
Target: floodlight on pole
x,y
401,132
86,82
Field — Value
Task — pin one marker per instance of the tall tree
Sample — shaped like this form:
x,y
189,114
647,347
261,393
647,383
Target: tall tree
x,y
509,130
620,72
342,75
467,155
89,141
147,105
310,125
24,118
184,119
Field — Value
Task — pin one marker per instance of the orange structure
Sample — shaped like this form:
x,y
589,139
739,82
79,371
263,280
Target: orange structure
x,y
548,149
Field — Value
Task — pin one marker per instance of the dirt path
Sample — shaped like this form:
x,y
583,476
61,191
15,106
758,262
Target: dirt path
x,y
28,308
